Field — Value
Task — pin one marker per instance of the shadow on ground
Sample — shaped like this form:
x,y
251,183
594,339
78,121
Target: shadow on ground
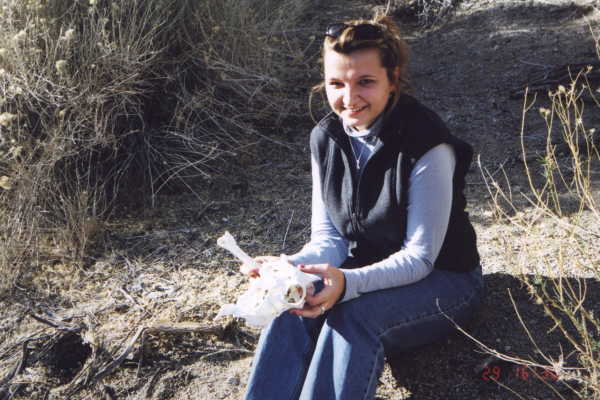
x,y
467,372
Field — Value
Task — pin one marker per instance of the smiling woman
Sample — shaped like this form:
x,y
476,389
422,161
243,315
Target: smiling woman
x,y
357,86
390,237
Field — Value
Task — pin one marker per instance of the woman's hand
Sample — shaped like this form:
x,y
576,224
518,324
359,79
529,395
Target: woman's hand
x,y
252,270
334,281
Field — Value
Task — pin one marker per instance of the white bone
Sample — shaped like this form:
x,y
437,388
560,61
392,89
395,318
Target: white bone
x,y
280,287
228,243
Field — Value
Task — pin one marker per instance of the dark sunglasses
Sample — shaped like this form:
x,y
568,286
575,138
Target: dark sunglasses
x,y
361,31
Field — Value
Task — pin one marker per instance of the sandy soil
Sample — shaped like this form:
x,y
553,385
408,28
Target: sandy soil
x,y
163,266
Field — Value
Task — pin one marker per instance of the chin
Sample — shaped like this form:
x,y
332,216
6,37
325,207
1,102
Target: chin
x,y
356,124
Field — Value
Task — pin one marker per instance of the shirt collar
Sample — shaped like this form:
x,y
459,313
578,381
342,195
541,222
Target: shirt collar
x,y
366,134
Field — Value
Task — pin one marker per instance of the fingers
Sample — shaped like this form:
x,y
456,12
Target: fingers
x,y
333,279
310,290
316,305
310,311
323,297
253,273
318,269
249,269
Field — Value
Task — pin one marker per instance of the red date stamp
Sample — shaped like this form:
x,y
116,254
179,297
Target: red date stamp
x,y
521,372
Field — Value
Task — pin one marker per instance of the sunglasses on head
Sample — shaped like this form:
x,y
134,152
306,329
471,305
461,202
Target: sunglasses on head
x,y
361,31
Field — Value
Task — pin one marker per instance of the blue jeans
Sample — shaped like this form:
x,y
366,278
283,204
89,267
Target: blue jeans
x,y
340,355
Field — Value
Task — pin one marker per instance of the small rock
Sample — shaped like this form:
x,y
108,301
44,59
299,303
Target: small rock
x,y
233,380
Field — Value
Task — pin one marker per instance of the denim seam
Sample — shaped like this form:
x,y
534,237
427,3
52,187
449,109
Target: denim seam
x,y
308,352
465,301
372,374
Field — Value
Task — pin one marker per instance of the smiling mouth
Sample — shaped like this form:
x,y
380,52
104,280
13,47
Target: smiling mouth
x,y
356,110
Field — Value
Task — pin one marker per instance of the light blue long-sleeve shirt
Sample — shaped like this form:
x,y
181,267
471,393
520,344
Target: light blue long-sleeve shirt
x,y
429,203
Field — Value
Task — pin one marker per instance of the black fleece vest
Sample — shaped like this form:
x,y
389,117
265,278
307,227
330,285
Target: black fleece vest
x,y
371,211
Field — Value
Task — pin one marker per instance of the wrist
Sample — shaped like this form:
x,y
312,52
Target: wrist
x,y
343,293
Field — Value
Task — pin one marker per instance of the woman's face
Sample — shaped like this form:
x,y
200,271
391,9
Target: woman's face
x,y
357,86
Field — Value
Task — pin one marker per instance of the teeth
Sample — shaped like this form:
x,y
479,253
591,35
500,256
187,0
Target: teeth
x,y
355,109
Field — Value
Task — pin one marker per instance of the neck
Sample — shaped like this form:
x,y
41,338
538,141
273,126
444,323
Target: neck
x,y
371,131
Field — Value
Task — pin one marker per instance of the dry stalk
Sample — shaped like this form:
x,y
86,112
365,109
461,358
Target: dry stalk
x,y
570,177
114,102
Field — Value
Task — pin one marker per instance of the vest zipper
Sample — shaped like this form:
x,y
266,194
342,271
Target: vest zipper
x,y
355,198
356,178
354,204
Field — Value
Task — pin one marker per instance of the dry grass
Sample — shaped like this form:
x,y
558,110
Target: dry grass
x,y
555,233
426,12
112,102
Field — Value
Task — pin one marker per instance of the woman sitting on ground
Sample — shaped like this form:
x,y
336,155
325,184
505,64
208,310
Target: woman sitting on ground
x,y
390,236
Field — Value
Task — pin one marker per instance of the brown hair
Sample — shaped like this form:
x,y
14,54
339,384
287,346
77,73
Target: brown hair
x,y
392,48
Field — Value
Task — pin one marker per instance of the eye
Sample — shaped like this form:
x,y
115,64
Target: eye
x,y
366,81
335,84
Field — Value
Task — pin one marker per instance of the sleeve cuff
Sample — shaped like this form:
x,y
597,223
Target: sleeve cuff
x,y
351,287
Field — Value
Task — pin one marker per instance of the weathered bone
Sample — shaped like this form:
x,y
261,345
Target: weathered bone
x,y
279,287
228,243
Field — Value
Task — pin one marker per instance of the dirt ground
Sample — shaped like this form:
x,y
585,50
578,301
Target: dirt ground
x,y
163,267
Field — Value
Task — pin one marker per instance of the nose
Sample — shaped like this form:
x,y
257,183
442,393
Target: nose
x,y
349,95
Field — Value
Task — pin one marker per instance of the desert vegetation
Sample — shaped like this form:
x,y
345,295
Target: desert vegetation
x,y
108,102
556,231
108,106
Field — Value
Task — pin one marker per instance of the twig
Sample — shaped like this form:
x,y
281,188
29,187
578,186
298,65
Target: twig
x,y
78,384
152,383
223,351
508,388
109,392
204,210
536,64
287,229
130,298
60,325
533,371
556,76
30,338
512,300
161,235
117,361
187,327
5,392
489,174
184,327
499,355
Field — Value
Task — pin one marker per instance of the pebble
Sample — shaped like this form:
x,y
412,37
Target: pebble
x,y
233,380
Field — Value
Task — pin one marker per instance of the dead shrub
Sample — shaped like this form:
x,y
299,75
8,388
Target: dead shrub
x,y
107,101
553,246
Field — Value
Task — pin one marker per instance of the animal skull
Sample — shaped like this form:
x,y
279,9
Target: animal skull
x,y
280,287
